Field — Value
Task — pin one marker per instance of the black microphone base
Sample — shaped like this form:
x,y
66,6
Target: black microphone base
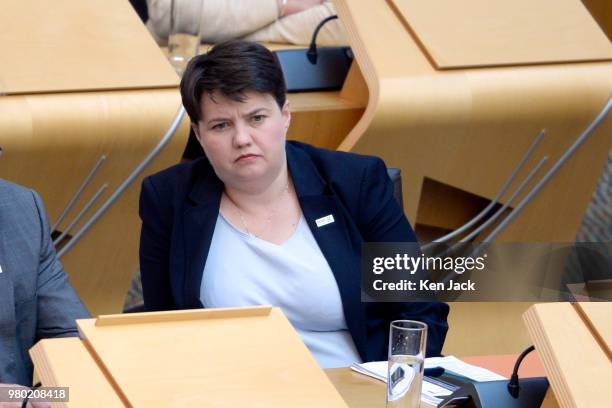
x,y
494,394
327,74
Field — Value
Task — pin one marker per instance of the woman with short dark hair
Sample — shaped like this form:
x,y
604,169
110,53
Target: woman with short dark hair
x,y
260,220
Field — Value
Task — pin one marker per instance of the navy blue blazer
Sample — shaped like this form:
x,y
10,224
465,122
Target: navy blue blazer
x,y
179,208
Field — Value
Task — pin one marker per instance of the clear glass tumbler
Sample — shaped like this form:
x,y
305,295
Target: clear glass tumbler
x,y
184,38
407,342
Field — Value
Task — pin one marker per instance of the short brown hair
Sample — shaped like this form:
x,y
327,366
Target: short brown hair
x,y
232,68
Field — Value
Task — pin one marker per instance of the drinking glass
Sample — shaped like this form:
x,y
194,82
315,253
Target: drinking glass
x,y
407,342
184,38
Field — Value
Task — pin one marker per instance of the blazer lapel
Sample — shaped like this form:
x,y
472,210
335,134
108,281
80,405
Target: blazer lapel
x,y
199,220
318,202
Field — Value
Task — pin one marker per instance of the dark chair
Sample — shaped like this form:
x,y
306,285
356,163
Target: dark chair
x,y
395,175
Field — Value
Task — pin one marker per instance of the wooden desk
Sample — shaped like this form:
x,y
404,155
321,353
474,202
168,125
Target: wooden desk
x,y
458,133
84,79
68,362
575,344
361,391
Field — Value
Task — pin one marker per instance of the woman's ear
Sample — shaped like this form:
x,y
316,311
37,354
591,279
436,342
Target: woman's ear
x,y
196,131
286,113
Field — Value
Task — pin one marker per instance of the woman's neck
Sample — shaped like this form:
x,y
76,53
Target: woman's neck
x,y
252,197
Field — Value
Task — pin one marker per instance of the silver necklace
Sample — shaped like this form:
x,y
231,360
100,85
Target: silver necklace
x,y
268,218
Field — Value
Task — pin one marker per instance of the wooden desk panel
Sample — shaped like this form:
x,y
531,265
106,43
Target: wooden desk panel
x,y
468,128
357,390
576,361
477,33
78,45
51,142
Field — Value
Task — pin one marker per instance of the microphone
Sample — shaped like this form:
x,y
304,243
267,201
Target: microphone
x,y
513,386
526,393
315,69
312,50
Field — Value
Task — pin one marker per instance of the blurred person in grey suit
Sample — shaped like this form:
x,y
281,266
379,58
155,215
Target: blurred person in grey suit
x,y
36,299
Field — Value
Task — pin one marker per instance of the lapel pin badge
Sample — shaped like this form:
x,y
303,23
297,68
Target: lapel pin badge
x,y
328,219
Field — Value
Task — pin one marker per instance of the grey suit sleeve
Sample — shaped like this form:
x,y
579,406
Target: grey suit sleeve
x,y
58,304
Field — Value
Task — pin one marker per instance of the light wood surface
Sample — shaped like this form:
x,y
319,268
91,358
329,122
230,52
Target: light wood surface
x,y
457,135
598,317
78,45
601,10
577,366
499,327
181,315
251,359
52,138
477,33
469,128
52,141
85,79
66,362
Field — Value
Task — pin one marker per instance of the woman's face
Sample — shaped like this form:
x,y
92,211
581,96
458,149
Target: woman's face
x,y
244,141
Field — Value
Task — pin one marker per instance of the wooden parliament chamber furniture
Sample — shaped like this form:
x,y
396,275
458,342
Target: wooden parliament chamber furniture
x,y
240,357
601,10
574,343
83,80
457,92
453,95
83,86
204,358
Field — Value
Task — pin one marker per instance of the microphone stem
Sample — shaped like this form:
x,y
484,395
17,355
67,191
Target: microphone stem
x,y
312,50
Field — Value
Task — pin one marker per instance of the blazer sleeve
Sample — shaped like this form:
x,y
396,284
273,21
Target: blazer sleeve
x,y
155,249
382,220
58,305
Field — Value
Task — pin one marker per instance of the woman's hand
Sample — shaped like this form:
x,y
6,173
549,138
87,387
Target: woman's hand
x,y
287,7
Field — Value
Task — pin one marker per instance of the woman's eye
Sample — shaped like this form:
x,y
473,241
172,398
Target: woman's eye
x,y
258,118
220,126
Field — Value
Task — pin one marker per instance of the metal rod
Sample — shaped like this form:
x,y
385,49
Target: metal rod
x,y
76,195
496,215
553,170
501,192
126,183
80,214
499,212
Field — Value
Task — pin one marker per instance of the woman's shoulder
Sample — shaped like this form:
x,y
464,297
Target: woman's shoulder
x,y
177,179
334,159
350,175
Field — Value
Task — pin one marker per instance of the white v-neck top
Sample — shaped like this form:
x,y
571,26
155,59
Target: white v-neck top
x,y
243,270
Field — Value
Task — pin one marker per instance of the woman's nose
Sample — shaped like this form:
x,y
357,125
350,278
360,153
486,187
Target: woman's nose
x,y
242,136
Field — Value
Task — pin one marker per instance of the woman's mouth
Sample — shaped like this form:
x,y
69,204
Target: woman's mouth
x,y
246,157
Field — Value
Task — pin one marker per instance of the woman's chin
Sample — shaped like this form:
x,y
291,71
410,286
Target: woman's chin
x,y
249,173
